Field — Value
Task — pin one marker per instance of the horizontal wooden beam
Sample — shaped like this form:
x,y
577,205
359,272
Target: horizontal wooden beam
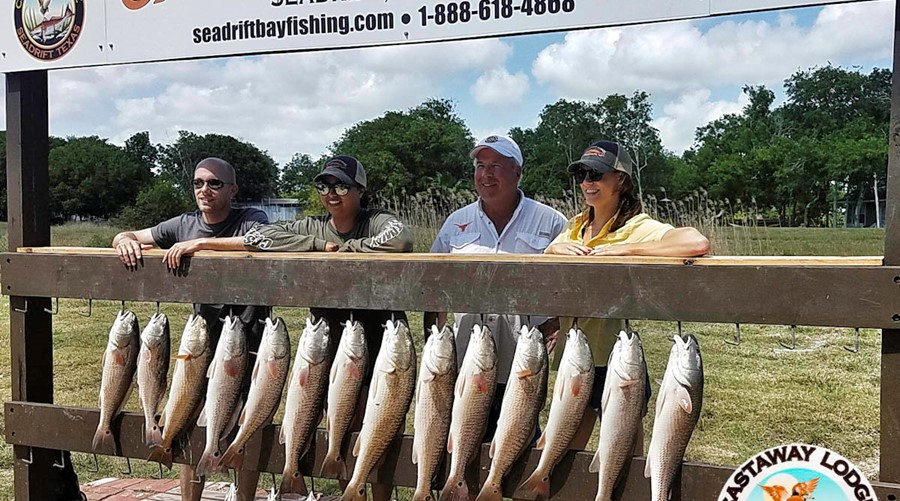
x,y
72,428
833,295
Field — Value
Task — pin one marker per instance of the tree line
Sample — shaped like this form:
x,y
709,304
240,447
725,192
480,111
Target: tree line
x,y
826,142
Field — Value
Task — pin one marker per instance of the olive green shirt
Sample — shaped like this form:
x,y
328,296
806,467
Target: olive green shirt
x,y
375,230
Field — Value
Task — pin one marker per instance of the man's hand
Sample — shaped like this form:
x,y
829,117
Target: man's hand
x,y
129,251
173,255
550,330
568,249
331,247
550,340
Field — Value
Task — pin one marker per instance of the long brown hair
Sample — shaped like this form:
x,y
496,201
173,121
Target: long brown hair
x,y
629,204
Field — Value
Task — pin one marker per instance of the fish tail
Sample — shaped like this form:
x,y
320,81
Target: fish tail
x,y
209,462
162,455
490,492
538,485
233,457
104,439
423,493
456,489
354,492
292,482
333,465
152,434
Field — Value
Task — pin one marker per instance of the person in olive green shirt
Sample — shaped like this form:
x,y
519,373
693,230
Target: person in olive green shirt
x,y
613,224
348,227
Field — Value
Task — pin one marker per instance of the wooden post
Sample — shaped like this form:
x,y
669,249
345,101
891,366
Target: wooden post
x,y
30,325
890,338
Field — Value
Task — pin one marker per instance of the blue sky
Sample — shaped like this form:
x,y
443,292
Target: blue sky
x,y
694,71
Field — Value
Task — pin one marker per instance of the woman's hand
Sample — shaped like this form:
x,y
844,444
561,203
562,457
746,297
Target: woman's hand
x,y
568,249
613,250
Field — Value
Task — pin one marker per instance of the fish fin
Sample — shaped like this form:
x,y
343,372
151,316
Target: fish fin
x,y
415,451
161,422
281,437
524,373
303,375
357,446
124,400
292,483
537,486
595,463
648,471
576,386
607,390
450,443
625,383
493,447
272,366
201,421
684,399
460,387
429,378
233,368
243,415
182,356
161,455
333,373
255,372
331,466
481,382
120,356
541,442
212,368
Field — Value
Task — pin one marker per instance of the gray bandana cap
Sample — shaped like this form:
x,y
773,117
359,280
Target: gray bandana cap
x,y
346,168
503,145
603,156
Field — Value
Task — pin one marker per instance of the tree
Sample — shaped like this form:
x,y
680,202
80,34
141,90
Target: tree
x,y
297,175
408,152
158,202
90,177
140,150
257,174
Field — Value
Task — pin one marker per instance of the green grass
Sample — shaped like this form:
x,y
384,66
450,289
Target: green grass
x,y
757,395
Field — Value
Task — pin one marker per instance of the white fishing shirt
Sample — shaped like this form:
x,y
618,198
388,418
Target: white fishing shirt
x,y
470,231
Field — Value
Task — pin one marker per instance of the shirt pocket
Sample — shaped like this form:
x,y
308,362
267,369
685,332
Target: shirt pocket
x,y
463,241
528,243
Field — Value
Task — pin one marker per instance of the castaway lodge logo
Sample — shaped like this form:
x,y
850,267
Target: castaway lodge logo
x,y
48,29
797,472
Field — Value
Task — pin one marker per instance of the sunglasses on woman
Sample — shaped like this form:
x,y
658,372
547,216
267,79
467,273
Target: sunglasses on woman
x,y
591,175
214,184
340,189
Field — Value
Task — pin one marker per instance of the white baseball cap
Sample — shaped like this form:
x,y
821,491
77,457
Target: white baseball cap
x,y
503,145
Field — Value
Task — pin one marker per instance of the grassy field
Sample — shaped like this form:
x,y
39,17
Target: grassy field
x,y
757,395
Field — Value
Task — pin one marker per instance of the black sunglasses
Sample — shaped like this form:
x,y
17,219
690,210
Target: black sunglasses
x,y
590,175
214,184
340,189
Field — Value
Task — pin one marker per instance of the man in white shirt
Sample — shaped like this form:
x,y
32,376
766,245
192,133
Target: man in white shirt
x,y
502,221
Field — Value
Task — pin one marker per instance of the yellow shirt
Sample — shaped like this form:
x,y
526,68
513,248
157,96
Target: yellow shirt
x,y
601,332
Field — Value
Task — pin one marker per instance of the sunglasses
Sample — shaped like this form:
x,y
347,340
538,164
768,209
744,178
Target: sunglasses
x,y
590,175
214,184
340,189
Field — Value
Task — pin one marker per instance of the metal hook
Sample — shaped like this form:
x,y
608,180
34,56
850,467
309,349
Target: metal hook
x,y
30,457
855,348
737,337
97,465
160,472
62,461
393,320
90,309
199,479
22,311
575,323
793,344
54,311
351,321
627,326
128,463
679,329
157,308
123,306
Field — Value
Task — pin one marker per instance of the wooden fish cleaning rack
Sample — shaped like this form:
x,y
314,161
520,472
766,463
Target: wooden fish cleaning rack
x,y
840,292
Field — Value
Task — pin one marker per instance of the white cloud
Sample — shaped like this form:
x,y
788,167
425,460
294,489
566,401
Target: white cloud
x,y
670,58
282,103
681,117
498,88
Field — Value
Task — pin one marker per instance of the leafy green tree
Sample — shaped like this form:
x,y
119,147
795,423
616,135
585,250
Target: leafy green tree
x,y
257,173
297,175
139,149
158,202
90,177
408,152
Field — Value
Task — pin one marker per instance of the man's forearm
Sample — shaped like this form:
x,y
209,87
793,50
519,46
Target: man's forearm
x,y
224,244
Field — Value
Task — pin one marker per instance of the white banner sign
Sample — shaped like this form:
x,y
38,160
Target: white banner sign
x,y
50,34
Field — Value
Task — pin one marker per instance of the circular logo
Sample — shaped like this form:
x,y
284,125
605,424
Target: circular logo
x,y
48,29
797,472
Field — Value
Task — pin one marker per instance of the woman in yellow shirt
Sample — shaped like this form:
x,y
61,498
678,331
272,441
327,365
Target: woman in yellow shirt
x,y
613,224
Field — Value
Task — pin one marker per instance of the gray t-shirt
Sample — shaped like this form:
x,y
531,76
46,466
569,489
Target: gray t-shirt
x,y
190,225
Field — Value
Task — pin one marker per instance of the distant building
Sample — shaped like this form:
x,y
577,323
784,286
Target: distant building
x,y
862,214
277,209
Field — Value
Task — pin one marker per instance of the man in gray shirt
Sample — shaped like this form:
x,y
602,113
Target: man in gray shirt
x,y
216,225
